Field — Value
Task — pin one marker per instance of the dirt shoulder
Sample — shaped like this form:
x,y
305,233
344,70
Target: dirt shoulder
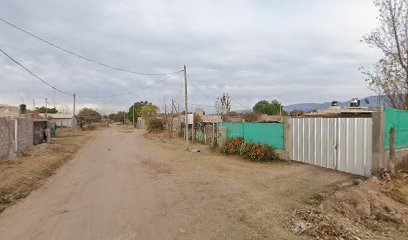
x,y
257,200
27,172
287,200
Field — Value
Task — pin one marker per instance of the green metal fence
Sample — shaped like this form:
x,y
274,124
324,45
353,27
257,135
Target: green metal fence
x,y
266,133
398,119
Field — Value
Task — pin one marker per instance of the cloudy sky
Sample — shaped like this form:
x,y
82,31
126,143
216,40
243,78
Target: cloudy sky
x,y
294,51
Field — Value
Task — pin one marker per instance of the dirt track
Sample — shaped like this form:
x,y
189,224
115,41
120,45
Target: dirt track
x,y
122,186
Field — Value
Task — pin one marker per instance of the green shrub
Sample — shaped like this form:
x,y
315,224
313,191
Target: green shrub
x,y
155,125
258,152
233,146
253,152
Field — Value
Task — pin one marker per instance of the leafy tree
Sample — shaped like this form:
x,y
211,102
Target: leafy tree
x,y
270,108
250,117
89,115
223,105
197,118
149,111
49,110
138,108
118,117
296,113
389,76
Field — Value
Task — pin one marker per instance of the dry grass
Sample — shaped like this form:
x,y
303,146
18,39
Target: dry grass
x,y
20,176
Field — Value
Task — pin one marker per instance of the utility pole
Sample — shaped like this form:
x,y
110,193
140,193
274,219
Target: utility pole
x,y
46,108
186,106
73,115
171,118
74,108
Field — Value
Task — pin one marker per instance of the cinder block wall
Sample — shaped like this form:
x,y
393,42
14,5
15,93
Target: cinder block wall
x,y
5,140
380,155
25,133
7,135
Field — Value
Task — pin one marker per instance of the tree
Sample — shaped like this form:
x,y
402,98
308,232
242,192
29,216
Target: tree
x,y
389,76
250,117
271,108
296,113
138,108
118,117
89,115
223,105
149,111
49,110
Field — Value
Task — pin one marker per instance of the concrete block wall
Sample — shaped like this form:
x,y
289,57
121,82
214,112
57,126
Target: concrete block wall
x,y
25,133
381,158
5,140
7,136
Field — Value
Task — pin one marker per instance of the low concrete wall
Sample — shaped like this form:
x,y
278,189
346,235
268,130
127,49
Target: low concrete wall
x,y
6,141
9,145
25,133
400,154
381,157
221,137
378,158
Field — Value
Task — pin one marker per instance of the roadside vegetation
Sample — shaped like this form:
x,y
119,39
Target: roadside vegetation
x,y
249,150
27,172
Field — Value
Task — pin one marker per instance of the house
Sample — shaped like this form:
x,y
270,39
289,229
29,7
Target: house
x,y
9,111
61,120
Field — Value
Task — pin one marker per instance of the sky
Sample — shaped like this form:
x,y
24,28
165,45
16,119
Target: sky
x,y
293,51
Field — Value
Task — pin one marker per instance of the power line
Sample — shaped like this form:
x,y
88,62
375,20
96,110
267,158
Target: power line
x,y
200,105
33,74
78,55
134,91
195,86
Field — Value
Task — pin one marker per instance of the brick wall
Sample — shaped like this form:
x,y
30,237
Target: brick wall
x,y
25,133
5,140
7,135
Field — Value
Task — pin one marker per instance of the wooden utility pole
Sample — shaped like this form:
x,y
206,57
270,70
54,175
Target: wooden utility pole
x,y
74,106
392,151
73,115
186,107
171,118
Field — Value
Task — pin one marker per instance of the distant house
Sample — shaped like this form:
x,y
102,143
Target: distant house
x,y
61,120
8,110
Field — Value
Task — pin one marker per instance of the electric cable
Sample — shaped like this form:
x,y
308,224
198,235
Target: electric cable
x,y
78,55
33,74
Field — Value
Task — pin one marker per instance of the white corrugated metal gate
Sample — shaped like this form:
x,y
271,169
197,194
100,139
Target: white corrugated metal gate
x,y
343,144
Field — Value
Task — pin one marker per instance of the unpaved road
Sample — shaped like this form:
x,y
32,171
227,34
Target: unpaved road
x,y
123,186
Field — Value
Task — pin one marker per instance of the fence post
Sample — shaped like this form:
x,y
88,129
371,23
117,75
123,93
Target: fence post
x,y
392,151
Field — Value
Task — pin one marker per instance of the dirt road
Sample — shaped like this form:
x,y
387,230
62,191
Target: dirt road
x,y
123,186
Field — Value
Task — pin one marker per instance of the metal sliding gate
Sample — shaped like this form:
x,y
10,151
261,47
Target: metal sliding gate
x,y
343,144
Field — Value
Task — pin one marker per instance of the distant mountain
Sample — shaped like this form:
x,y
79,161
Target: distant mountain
x,y
373,101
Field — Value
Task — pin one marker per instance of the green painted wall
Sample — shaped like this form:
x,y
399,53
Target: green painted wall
x,y
266,133
397,119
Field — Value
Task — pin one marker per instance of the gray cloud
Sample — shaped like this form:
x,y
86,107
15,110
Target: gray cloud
x,y
295,51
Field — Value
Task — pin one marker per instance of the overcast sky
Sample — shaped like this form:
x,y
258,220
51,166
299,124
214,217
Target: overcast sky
x,y
294,51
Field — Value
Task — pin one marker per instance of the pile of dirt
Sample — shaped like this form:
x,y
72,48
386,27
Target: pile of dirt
x,y
317,224
376,208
